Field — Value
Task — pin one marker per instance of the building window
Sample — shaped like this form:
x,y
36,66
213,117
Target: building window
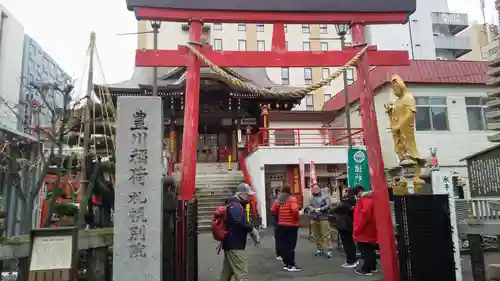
x,y
242,27
285,77
350,76
260,28
31,78
32,50
327,97
324,46
306,46
308,76
242,45
476,113
261,45
432,114
45,63
323,28
309,102
305,28
325,72
217,26
31,65
218,44
286,28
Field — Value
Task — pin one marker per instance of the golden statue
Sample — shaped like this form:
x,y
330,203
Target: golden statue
x,y
401,114
402,121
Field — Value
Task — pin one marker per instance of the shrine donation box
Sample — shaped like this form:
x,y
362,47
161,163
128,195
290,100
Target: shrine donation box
x,y
318,6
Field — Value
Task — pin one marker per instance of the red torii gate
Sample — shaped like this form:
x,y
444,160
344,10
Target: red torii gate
x,y
393,11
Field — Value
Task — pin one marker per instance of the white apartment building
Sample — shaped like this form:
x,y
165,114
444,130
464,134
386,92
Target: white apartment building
x,y
257,37
11,58
429,33
482,37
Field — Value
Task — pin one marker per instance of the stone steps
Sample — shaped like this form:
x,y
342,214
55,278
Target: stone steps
x,y
213,186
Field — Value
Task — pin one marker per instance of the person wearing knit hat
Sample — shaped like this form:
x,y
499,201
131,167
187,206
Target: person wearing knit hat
x,y
318,207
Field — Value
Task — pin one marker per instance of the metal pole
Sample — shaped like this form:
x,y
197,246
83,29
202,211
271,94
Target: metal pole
x,y
156,26
86,133
346,95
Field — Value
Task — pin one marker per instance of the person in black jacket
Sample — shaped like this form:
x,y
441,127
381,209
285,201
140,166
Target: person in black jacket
x,y
344,212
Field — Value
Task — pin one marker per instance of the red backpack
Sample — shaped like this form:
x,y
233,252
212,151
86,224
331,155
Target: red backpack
x,y
219,222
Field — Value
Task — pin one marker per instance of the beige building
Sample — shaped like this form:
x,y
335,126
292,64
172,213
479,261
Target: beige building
x,y
482,41
257,37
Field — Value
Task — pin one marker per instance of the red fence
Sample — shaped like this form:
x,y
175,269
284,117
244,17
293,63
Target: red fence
x,y
322,136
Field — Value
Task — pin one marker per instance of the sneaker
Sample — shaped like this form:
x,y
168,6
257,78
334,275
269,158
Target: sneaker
x,y
279,258
349,265
361,272
329,254
293,268
319,253
375,271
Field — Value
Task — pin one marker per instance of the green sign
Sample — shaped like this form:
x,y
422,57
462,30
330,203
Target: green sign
x,y
358,171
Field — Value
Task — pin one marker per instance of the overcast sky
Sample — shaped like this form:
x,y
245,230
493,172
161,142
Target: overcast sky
x,y
63,28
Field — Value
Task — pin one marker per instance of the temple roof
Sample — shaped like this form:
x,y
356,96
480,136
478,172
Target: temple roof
x,y
173,78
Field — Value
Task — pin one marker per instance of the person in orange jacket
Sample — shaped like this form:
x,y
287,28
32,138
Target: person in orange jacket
x,y
365,231
287,211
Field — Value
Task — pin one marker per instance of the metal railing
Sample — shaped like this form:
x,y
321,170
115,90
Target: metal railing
x,y
320,136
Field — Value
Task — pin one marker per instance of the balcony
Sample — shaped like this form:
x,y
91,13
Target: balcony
x,y
324,145
453,22
459,46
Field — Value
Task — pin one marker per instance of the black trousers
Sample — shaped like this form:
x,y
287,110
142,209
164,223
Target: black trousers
x,y
287,241
276,241
348,245
369,256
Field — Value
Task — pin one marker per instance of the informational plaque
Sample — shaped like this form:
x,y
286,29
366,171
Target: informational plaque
x,y
49,253
442,183
53,254
322,6
138,196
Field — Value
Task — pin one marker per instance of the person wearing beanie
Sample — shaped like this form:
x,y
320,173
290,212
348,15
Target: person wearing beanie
x,y
318,208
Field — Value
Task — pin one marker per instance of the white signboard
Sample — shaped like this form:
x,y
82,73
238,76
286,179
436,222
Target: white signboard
x,y
138,197
53,252
442,183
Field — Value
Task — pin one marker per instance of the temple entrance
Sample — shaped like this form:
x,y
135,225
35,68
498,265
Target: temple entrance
x,y
214,142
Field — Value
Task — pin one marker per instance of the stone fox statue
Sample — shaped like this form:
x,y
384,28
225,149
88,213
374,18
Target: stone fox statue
x,y
402,119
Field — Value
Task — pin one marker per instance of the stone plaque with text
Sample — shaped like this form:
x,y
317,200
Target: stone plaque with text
x,y
138,196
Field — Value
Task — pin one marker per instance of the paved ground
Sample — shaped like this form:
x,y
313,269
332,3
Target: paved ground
x,y
264,267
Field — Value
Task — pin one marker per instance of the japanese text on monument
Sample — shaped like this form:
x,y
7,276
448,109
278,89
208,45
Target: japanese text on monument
x,y
137,199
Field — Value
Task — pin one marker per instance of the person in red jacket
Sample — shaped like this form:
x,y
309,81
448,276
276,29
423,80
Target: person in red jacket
x,y
365,231
287,210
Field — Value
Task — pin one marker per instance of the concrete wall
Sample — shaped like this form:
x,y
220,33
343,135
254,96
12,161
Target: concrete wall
x,y
451,145
11,55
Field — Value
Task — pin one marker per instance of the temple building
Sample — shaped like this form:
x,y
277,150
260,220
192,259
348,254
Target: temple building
x,y
227,113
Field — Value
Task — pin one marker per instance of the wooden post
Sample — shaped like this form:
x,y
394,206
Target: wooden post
x,y
84,183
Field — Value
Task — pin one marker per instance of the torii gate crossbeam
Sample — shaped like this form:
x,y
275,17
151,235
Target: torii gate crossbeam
x,y
279,57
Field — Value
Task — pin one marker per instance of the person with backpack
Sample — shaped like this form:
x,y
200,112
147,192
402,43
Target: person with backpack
x,y
287,211
318,208
344,212
365,231
230,226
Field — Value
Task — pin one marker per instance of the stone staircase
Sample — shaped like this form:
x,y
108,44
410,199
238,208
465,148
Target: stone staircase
x,y
214,184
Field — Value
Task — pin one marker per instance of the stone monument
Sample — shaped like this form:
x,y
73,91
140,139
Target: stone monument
x,y
401,114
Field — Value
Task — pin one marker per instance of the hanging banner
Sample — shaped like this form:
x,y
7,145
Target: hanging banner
x,y
312,178
302,170
358,172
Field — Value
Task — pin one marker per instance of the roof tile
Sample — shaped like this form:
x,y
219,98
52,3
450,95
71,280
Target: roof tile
x,y
419,71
